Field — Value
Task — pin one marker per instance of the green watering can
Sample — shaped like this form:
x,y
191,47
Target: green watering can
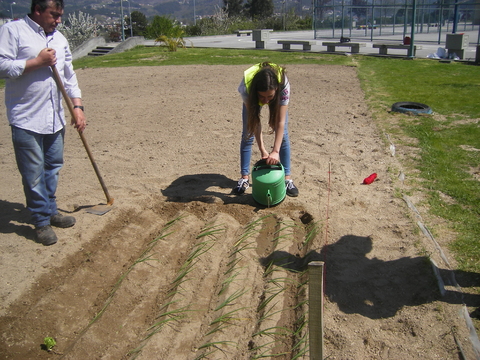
x,y
268,183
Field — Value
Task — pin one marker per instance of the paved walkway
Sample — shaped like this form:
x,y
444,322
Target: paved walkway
x,y
428,41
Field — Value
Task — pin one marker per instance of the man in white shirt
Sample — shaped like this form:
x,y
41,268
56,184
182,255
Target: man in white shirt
x,y
28,49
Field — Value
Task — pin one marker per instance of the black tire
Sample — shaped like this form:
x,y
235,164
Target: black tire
x,y
411,107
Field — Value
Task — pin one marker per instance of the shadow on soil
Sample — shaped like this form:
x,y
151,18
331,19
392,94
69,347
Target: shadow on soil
x,y
15,218
197,187
375,288
201,187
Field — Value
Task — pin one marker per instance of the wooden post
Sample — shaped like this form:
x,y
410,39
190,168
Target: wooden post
x,y
315,304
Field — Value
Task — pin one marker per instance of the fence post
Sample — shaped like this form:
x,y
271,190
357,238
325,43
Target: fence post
x,y
315,305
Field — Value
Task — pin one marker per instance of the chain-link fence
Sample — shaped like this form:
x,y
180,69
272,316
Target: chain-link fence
x,y
377,18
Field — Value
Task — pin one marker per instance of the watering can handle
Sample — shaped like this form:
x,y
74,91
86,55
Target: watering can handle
x,y
261,164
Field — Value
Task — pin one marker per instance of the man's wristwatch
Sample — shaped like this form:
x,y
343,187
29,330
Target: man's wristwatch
x,y
79,107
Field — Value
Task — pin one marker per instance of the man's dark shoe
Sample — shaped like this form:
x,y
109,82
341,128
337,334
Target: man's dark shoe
x,y
62,221
46,235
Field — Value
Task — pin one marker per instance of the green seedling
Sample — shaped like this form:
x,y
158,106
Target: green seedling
x,y
167,317
261,347
285,281
250,229
231,298
219,327
267,314
267,300
288,236
214,344
314,230
210,233
227,282
205,356
301,353
49,343
266,353
226,318
232,263
274,331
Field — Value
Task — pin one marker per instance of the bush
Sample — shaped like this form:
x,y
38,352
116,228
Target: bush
x,y
162,25
173,40
193,30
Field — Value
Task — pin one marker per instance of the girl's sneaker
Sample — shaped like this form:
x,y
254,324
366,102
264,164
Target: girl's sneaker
x,y
242,185
291,188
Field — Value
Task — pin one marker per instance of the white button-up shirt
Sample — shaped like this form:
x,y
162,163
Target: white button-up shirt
x,y
33,100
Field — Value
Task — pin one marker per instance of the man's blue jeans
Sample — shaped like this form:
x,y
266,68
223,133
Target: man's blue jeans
x,y
246,147
39,159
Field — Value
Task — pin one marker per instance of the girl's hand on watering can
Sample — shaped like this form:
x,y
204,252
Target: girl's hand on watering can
x,y
273,158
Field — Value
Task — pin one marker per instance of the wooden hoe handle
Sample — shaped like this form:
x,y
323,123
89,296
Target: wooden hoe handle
x,y
68,101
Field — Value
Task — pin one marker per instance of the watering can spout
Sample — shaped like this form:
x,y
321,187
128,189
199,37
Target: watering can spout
x,y
269,198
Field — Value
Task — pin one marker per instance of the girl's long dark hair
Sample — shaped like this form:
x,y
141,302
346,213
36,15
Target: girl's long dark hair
x,y
267,78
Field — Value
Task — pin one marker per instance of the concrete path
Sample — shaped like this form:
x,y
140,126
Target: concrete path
x,y
430,42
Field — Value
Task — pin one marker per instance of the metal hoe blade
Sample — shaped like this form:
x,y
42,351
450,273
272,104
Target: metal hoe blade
x,y
99,209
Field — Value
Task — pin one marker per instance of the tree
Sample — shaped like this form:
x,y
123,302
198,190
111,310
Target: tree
x,y
78,29
139,23
219,23
233,7
259,9
161,25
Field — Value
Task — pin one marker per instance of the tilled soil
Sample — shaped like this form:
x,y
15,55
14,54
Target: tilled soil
x,y
181,269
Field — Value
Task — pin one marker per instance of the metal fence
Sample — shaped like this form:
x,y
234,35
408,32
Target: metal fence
x,y
377,18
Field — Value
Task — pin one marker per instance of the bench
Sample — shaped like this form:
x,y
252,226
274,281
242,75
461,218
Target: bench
x,y
307,44
354,47
383,48
243,32
261,36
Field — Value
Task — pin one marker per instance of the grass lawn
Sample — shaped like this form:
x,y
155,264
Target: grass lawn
x,y
449,143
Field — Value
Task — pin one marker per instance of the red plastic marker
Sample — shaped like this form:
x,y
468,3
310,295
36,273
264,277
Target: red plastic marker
x,y
370,179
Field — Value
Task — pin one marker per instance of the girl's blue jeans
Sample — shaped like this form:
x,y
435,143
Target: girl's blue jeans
x,y
39,160
246,147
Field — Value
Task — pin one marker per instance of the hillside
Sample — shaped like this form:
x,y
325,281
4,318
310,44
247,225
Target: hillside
x,y
108,11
